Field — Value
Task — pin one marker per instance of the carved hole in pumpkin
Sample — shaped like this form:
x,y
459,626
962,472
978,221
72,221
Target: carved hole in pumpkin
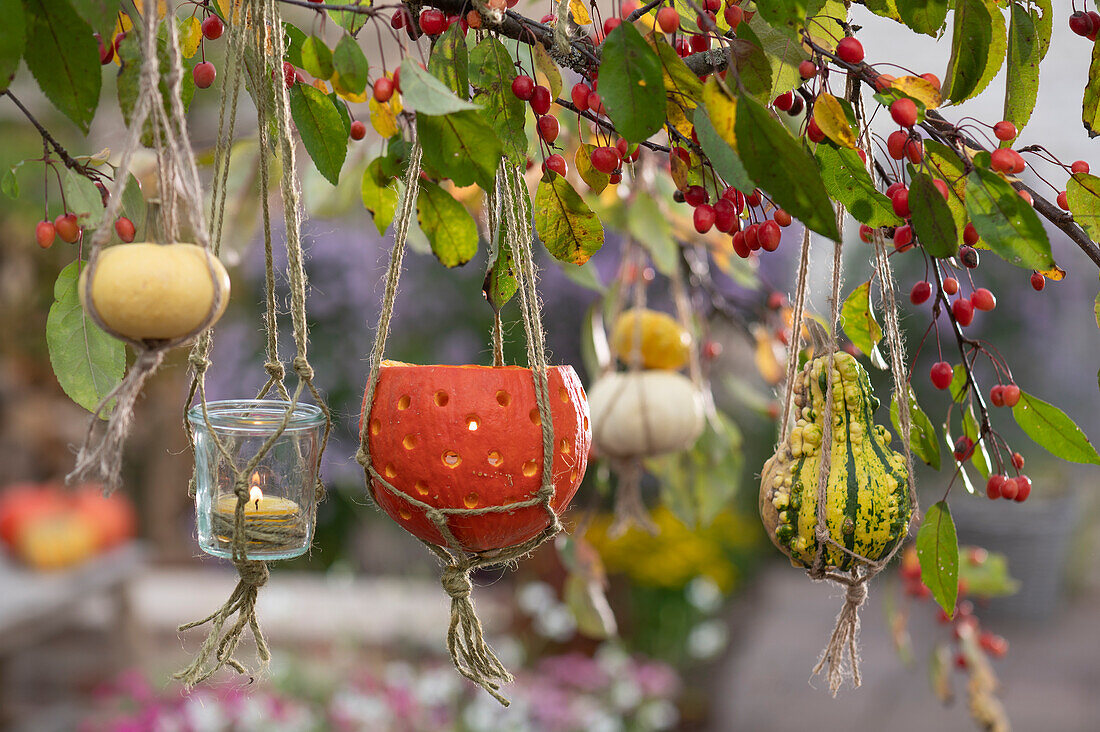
x,y
504,398
421,487
565,446
586,424
495,458
470,501
472,422
404,402
574,477
563,395
390,471
451,459
536,417
441,399
404,513
530,468
375,426
410,442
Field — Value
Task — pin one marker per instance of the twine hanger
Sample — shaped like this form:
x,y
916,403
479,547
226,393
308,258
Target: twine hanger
x,y
256,48
470,652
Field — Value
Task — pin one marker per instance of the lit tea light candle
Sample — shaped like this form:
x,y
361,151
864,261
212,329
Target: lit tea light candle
x,y
271,523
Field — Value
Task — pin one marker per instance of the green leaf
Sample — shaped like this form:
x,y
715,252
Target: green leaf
x,y
569,230
349,21
88,363
682,87
859,321
942,163
64,58
938,552
500,279
491,73
699,483
1090,107
379,194
1083,195
752,66
1053,430
342,108
1006,222
101,15
294,40
585,588
582,159
351,65
721,155
783,13
632,84
978,45
1042,16
649,225
971,429
460,146
12,40
883,8
450,62
9,184
426,94
782,167
923,16
321,129
923,440
1024,54
83,199
783,51
985,574
960,384
847,180
133,206
450,228
932,219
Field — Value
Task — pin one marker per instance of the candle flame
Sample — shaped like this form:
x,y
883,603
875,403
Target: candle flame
x,y
255,495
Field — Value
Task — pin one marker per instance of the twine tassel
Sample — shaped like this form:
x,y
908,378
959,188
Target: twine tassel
x,y
844,641
100,457
630,509
469,651
218,648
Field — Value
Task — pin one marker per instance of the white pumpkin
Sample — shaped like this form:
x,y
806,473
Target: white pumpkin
x,y
643,413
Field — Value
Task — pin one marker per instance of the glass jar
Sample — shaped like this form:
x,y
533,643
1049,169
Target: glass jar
x,y
280,491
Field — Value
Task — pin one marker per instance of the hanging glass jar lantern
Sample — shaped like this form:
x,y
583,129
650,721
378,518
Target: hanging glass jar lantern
x,y
279,510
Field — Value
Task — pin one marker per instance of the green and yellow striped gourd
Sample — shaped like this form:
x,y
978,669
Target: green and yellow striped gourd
x,y
867,498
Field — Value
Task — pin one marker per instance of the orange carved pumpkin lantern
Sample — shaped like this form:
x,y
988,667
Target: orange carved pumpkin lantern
x,y
469,438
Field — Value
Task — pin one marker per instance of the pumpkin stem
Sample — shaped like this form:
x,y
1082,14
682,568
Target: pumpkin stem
x,y
819,338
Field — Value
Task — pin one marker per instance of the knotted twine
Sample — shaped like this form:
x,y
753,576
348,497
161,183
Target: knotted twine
x,y
840,658
256,48
100,456
471,654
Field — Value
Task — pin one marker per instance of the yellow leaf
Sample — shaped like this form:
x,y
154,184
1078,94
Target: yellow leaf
x,y
919,89
383,117
320,84
546,70
830,117
190,36
767,363
342,91
582,162
162,8
579,12
722,111
122,25
1057,274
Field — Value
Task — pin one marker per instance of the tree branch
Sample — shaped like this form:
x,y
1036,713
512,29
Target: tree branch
x,y
70,162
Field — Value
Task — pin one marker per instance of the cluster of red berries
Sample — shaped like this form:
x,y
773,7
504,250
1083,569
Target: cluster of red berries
x,y
668,20
725,215
1085,24
68,229
1014,489
204,72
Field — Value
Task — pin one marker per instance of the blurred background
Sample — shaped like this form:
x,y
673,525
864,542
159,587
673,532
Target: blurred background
x,y
703,626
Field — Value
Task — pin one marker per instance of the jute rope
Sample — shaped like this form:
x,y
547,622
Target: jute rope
x,y
471,654
256,46
840,658
100,456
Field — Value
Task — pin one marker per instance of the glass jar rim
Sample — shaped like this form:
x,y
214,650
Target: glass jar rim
x,y
256,415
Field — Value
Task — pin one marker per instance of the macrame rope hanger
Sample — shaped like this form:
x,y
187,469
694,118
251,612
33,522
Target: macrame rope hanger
x,y
470,652
840,659
255,47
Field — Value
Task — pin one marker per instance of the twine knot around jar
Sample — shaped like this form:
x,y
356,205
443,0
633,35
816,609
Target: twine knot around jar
x,y
456,582
275,370
302,368
254,573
